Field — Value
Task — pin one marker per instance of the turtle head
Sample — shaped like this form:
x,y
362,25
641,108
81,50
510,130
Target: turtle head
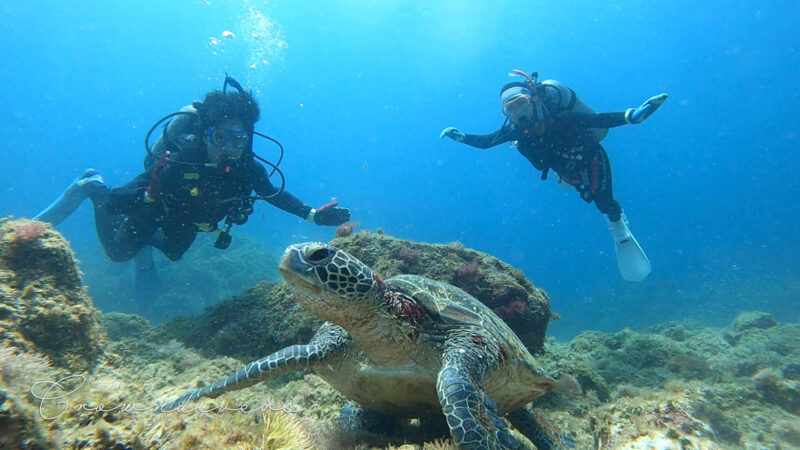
x,y
333,281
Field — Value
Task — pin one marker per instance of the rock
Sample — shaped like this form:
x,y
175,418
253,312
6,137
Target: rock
x,y
250,326
44,306
496,284
120,325
756,319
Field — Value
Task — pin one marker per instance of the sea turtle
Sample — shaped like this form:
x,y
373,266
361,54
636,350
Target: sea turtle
x,y
405,347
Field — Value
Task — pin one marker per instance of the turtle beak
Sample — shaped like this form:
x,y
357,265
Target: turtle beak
x,y
297,272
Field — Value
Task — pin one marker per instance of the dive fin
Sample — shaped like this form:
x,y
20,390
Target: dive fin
x,y
68,201
633,263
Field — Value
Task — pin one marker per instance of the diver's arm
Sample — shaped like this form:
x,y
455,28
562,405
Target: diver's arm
x,y
592,120
610,120
482,141
289,203
285,200
327,215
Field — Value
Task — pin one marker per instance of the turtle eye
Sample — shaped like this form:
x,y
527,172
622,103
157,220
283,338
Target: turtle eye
x,y
319,255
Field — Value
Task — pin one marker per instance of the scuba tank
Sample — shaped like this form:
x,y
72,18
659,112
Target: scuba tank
x,y
559,95
174,136
562,95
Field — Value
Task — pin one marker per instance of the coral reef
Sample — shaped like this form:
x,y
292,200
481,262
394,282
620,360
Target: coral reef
x,y
43,305
680,385
499,286
273,320
346,229
675,385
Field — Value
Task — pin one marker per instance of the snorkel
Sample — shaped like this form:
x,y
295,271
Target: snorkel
x,y
531,79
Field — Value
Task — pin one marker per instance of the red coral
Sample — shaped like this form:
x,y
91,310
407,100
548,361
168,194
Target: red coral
x,y
512,309
28,231
467,276
409,256
346,229
670,415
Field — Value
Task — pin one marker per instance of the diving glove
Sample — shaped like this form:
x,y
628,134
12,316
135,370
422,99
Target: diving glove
x,y
453,133
637,115
331,216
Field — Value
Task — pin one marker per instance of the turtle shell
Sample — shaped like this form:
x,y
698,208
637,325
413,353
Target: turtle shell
x,y
451,307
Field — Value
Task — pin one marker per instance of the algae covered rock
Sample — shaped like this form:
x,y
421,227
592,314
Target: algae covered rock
x,y
262,320
496,284
266,318
749,323
756,319
43,305
120,325
671,422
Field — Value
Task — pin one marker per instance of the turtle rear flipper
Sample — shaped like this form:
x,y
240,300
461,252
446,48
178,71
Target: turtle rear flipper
x,y
541,432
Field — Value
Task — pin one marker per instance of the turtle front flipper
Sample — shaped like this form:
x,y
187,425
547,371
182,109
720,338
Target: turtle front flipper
x,y
470,413
539,431
328,341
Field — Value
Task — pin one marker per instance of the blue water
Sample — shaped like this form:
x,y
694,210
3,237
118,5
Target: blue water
x,y
358,91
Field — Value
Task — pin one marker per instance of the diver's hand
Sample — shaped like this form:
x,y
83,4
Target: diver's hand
x,y
637,115
453,133
329,215
332,216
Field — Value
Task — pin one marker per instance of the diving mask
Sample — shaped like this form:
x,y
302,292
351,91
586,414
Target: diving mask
x,y
517,105
227,138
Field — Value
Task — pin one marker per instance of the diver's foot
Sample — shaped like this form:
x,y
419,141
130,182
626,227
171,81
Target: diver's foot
x,y
90,184
619,230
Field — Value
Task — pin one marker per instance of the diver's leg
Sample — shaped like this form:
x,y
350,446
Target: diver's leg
x,y
600,174
599,186
145,281
177,238
122,235
90,184
631,259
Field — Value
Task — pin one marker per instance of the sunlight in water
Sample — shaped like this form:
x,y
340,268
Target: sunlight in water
x,y
247,41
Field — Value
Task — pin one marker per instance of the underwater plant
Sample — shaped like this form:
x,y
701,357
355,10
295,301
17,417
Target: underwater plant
x,y
346,229
29,230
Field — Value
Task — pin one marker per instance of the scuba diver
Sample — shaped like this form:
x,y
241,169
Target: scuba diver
x,y
201,170
551,127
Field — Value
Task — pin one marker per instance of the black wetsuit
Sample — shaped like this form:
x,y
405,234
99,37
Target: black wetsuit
x,y
565,144
184,196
